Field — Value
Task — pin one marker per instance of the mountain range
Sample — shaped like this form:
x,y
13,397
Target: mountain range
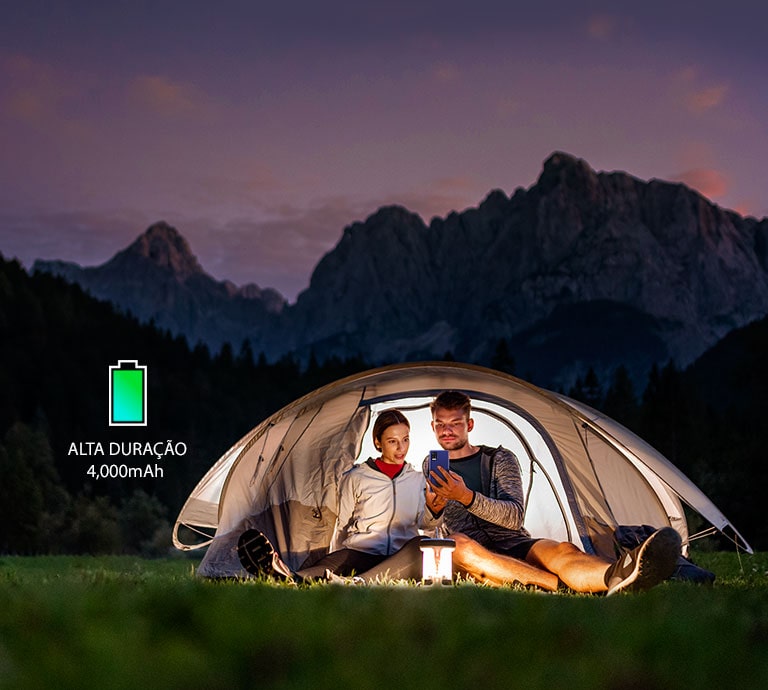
x,y
158,278
581,269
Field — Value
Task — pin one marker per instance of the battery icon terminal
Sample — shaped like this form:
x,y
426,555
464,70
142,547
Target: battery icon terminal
x,y
127,393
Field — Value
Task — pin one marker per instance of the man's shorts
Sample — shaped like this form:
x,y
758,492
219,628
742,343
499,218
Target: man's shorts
x,y
519,550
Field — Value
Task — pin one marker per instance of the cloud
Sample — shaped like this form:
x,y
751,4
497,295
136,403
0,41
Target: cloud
x,y
708,181
749,207
601,26
436,199
279,249
282,247
234,184
699,99
88,238
168,97
507,107
705,99
446,72
699,165
35,90
39,92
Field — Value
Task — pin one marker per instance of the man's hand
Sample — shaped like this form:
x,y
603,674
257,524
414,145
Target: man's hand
x,y
449,486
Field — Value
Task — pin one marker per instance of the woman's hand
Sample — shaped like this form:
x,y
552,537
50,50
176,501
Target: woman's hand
x,y
434,502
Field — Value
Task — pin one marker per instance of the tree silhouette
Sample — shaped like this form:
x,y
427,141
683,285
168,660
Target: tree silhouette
x,y
620,400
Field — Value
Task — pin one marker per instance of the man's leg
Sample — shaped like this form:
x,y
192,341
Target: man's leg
x,y
646,565
642,568
580,571
470,558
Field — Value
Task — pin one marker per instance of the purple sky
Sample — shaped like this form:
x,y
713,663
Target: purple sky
x,y
259,130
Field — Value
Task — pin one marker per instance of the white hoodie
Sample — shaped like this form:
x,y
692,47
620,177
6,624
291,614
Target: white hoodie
x,y
378,514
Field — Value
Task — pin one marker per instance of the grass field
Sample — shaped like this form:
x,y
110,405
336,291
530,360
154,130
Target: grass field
x,y
118,622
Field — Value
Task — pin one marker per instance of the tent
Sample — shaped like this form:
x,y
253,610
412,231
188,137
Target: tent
x,y
584,474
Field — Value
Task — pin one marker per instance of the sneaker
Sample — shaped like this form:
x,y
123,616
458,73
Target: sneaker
x,y
646,565
258,556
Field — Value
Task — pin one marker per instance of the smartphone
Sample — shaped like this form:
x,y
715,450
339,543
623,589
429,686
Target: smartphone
x,y
438,458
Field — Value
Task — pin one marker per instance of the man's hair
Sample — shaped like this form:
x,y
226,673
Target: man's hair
x,y
386,419
452,400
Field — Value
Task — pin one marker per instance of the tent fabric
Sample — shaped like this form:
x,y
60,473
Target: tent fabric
x,y
584,475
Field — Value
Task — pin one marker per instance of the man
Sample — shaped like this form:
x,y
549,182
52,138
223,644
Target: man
x,y
480,502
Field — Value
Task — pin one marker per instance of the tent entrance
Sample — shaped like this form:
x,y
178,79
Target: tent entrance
x,y
495,425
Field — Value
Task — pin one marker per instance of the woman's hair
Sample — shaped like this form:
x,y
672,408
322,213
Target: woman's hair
x,y
386,419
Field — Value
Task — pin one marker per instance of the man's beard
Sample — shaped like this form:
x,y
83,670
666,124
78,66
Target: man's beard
x,y
455,444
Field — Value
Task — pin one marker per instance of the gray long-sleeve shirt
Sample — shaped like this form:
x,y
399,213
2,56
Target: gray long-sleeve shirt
x,y
495,516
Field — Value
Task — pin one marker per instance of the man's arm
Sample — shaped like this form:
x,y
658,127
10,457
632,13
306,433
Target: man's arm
x,y
506,507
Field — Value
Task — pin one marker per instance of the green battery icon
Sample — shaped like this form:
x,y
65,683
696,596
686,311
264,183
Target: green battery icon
x,y
127,393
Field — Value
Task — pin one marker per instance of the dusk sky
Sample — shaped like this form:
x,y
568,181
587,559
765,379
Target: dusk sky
x,y
260,130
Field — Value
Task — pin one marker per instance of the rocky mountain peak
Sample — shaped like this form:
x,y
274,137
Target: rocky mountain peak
x,y
567,170
385,219
167,249
495,202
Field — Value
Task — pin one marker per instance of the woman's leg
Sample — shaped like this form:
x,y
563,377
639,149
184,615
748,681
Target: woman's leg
x,y
342,562
404,564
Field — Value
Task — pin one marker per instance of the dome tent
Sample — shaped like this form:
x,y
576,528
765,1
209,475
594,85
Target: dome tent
x,y
583,474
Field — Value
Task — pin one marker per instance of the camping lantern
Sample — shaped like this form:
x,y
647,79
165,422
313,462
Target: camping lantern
x,y
437,561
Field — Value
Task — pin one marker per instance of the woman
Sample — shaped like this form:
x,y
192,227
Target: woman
x,y
381,506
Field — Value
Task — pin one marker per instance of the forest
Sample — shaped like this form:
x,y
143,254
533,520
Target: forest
x,y
57,343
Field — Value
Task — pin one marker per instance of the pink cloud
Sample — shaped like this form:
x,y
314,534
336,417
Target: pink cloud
x,y
437,199
277,247
507,107
446,72
601,26
168,97
281,247
35,90
707,181
242,185
705,99
27,105
698,99
88,238
745,206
